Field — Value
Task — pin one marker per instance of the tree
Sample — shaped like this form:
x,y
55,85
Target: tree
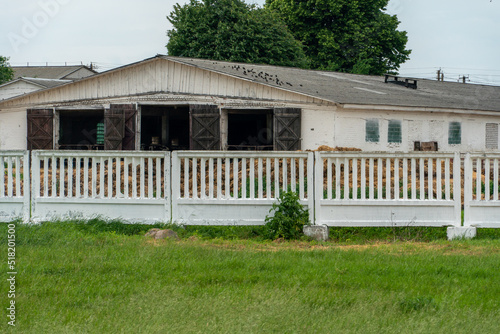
x,y
234,31
6,72
346,35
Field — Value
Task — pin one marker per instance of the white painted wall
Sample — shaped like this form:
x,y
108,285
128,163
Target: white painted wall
x,y
13,130
17,88
346,128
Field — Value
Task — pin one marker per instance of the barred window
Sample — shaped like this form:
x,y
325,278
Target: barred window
x,y
394,131
455,133
492,135
372,132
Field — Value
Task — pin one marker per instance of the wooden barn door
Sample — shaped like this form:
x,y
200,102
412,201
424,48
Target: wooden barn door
x,y
120,127
205,127
40,129
287,129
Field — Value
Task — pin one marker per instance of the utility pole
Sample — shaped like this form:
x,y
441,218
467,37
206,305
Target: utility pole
x,y
464,78
440,75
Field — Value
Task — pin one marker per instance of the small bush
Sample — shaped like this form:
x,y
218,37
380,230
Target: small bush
x,y
288,219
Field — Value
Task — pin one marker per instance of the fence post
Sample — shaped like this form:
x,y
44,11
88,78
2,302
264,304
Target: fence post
x,y
175,185
467,188
167,175
26,187
35,182
457,189
318,186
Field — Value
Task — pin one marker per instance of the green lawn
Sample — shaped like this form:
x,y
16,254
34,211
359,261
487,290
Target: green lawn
x,y
74,278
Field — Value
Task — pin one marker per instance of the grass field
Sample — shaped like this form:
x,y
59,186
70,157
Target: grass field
x,y
108,278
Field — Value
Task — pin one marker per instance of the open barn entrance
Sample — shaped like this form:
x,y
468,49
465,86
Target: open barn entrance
x,y
164,127
250,129
81,129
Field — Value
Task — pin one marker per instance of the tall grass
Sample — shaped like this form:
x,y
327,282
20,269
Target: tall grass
x,y
98,278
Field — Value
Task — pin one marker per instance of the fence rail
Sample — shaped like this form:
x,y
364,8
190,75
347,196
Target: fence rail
x,y
133,185
227,187
481,190
367,189
246,183
14,185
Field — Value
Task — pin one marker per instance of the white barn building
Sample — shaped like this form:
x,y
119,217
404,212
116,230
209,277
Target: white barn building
x,y
179,103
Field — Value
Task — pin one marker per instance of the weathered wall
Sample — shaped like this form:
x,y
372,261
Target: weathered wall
x,y
17,88
13,130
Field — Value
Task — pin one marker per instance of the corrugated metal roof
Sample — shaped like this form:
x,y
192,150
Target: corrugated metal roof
x,y
47,72
344,88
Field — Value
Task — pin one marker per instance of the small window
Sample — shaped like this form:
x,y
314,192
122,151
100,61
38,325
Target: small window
x,y
372,132
455,133
492,136
394,131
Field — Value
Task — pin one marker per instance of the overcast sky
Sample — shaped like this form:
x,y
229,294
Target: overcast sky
x,y
460,36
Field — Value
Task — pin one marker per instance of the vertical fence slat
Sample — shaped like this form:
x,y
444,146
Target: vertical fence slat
x,y
203,181
301,178
346,178
260,177
243,178
413,178
54,174
337,178
268,178
371,185
495,179
227,177
2,178
329,178
94,177
396,178
101,177
478,179
85,177
109,169
486,179
211,178
355,178
150,177
158,178
9,177
252,178
285,174
126,181
363,178
405,178
430,186
276,178
142,172
422,179
380,184
187,178
236,177
293,175
118,177
78,169
70,177
439,168
18,176
219,178
447,178
388,178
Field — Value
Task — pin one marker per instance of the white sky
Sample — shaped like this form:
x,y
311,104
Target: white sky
x,y
460,36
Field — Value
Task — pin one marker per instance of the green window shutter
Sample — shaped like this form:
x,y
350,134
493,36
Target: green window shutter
x,y
372,132
100,134
455,133
394,131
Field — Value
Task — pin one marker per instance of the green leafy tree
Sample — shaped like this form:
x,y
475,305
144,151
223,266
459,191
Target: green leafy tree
x,y
6,72
234,31
346,35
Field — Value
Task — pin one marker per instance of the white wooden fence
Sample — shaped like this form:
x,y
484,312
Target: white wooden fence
x,y
134,186
382,189
224,187
14,186
481,190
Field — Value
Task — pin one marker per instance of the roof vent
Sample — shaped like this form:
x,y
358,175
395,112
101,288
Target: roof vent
x,y
394,79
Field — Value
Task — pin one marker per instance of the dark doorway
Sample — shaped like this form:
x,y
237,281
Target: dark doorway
x,y
81,130
250,130
164,127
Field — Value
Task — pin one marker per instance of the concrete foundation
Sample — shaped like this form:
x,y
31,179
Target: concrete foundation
x,y
465,232
317,232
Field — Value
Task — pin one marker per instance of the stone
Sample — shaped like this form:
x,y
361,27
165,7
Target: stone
x,y
317,232
461,232
152,232
164,234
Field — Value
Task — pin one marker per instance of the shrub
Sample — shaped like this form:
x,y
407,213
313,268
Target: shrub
x,y
288,219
